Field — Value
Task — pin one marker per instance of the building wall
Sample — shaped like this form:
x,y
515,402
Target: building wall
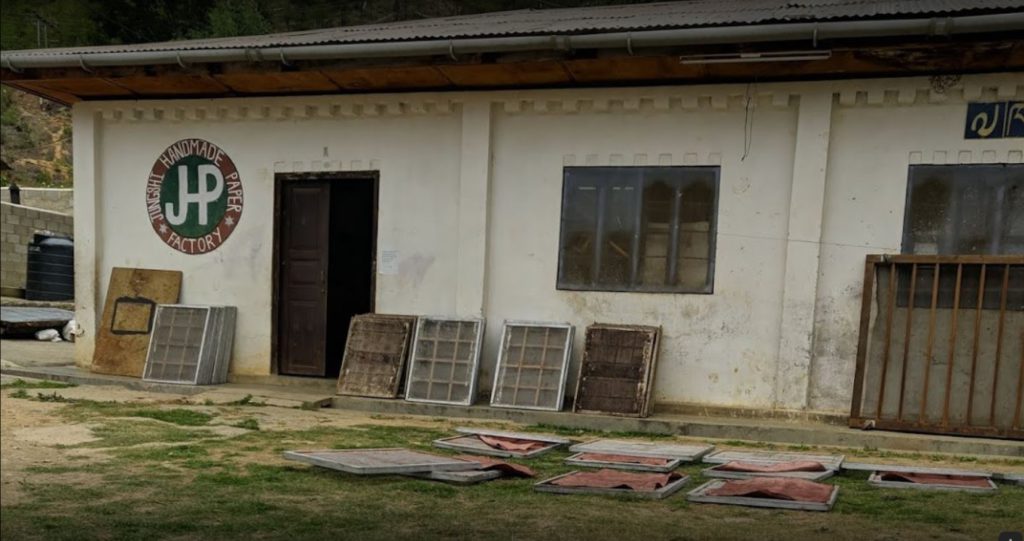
x,y
54,199
876,136
18,224
813,177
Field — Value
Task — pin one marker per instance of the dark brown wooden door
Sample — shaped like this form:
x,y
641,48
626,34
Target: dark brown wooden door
x,y
302,291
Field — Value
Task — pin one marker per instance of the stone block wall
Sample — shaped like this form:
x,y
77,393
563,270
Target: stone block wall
x,y
18,223
55,199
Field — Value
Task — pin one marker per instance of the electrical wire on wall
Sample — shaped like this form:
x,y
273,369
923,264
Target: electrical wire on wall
x,y
748,118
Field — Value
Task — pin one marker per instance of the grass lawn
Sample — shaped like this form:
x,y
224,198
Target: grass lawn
x,y
164,475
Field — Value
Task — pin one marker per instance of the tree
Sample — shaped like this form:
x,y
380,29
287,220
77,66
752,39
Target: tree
x,y
235,18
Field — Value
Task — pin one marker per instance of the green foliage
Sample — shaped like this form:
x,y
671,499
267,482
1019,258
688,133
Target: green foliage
x,y
178,416
248,424
9,112
40,384
235,18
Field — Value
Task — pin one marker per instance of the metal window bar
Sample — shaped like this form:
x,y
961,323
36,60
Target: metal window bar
x,y
550,361
960,370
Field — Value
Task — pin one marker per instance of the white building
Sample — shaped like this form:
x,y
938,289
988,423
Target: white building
x,y
745,169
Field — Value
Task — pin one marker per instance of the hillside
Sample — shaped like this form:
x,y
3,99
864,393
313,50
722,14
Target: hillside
x,y
35,141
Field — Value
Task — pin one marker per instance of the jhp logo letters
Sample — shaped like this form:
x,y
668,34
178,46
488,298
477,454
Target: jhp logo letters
x,y
194,196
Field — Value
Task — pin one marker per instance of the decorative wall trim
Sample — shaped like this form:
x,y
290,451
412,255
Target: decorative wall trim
x,y
246,109
677,158
723,97
964,156
923,91
314,166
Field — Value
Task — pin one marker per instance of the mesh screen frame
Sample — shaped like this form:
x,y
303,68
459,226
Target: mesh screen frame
x,y
162,340
210,358
504,363
416,360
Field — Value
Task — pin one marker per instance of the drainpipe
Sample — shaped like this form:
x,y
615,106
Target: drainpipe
x,y
811,32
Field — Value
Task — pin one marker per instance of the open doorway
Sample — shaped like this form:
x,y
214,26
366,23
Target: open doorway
x,y
325,246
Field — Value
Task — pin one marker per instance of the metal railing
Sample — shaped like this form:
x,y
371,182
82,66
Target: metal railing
x,y
941,345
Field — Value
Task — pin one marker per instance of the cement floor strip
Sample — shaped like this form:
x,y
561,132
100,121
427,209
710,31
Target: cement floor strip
x,y
726,428
818,434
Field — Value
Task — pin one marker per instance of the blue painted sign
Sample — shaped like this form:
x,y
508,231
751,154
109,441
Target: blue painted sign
x,y
994,120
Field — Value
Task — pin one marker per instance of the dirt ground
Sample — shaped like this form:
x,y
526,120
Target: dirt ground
x,y
29,352
32,434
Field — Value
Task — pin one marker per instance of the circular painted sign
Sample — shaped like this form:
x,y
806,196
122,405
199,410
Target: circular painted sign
x,y
194,196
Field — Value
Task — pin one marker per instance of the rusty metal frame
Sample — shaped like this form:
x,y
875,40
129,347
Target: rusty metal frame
x,y
918,423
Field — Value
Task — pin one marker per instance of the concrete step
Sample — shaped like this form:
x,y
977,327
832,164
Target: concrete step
x,y
270,395
759,430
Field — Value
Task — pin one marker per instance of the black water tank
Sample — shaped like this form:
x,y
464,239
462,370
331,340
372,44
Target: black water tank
x,y
51,268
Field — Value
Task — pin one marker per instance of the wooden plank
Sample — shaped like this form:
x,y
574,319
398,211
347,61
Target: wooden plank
x,y
173,85
380,461
506,74
264,82
473,445
718,473
123,337
875,480
699,495
952,259
860,371
92,87
661,493
889,309
684,452
387,78
577,460
832,462
375,355
514,435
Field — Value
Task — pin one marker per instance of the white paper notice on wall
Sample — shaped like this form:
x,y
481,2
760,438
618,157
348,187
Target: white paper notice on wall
x,y
388,262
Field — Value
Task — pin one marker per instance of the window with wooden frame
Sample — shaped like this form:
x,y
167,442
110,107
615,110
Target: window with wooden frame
x,y
648,229
964,210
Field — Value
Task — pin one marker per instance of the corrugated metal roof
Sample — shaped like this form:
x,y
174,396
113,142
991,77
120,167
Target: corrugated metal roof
x,y
620,18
